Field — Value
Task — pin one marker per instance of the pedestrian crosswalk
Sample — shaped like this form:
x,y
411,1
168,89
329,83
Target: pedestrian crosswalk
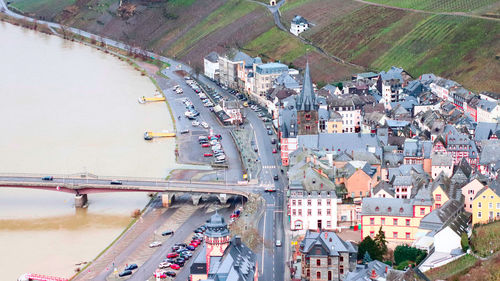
x,y
269,166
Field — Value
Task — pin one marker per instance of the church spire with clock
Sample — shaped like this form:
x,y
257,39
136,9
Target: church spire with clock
x,y
217,237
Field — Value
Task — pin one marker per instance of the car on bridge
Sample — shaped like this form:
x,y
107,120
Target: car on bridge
x,y
131,266
116,182
168,232
155,244
125,273
48,178
270,189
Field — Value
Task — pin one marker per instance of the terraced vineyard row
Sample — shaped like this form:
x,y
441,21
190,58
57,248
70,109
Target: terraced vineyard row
x,y
437,5
417,44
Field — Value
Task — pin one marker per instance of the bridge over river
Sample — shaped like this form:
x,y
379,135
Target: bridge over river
x,y
83,184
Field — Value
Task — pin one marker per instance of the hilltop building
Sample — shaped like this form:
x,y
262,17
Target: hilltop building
x,y
298,25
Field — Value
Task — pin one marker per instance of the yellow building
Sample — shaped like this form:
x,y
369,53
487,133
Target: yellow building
x,y
334,124
486,204
399,218
440,196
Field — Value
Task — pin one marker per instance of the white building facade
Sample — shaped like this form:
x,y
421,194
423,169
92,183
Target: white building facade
x,y
313,210
211,65
298,25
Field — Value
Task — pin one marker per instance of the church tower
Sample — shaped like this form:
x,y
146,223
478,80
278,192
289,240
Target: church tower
x,y
216,238
307,108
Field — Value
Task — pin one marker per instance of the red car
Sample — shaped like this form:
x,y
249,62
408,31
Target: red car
x,y
275,151
194,245
205,145
175,266
208,154
195,242
172,255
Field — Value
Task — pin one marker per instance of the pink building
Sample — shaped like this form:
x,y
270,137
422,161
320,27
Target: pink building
x,y
469,191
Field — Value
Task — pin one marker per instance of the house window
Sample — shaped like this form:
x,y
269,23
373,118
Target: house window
x,y
395,235
329,224
438,197
377,209
328,212
479,204
318,262
319,212
308,128
318,275
407,235
328,202
341,258
382,221
372,221
329,261
478,214
490,205
308,116
422,211
294,202
407,222
294,212
300,202
319,202
341,270
309,202
330,274
300,212
372,233
498,205
395,221
309,212
308,272
438,206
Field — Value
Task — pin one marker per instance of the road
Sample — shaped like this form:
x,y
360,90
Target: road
x,y
271,226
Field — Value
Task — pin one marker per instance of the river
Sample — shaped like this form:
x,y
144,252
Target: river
x,y
68,108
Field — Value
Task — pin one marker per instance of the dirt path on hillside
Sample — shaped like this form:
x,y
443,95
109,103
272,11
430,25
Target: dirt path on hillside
x,y
463,14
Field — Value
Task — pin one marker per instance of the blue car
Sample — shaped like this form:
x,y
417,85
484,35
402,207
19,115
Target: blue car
x,y
125,273
131,267
191,248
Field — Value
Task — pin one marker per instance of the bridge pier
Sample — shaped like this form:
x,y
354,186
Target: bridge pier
x,y
222,198
196,199
167,199
81,200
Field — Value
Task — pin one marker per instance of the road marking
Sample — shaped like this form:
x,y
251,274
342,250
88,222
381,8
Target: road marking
x,y
269,166
278,211
263,246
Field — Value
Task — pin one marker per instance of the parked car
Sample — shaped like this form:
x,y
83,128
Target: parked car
x,y
191,248
204,125
131,266
185,131
175,266
172,255
163,265
48,178
170,274
273,141
125,273
180,244
205,145
168,232
155,244
274,150
208,155
219,161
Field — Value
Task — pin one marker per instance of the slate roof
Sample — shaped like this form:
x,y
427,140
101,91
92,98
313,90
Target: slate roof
x,y
387,207
364,272
392,73
486,105
490,153
216,226
342,142
212,57
402,181
439,159
436,219
299,20
307,98
329,242
383,185
287,81
484,130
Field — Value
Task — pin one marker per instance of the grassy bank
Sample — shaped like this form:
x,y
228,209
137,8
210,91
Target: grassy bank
x,y
458,266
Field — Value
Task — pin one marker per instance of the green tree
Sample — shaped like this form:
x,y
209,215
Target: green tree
x,y
368,245
381,241
464,241
407,253
367,258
